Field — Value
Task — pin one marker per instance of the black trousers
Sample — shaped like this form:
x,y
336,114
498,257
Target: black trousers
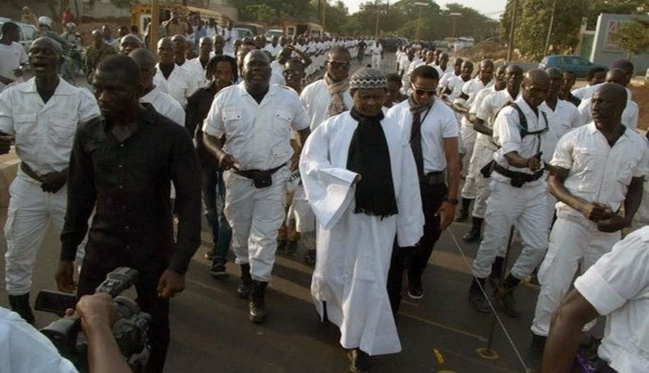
x,y
415,259
92,276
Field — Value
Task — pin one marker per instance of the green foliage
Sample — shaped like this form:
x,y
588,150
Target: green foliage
x,y
597,7
633,37
533,23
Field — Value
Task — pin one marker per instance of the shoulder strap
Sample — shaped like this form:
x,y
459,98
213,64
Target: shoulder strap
x,y
521,119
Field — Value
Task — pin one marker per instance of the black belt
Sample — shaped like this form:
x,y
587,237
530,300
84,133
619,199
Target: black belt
x,y
433,178
252,174
518,178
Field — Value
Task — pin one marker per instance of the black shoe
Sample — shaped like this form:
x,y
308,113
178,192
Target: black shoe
x,y
291,248
310,257
496,272
218,271
281,245
246,282
359,361
257,305
20,305
464,210
534,354
415,289
509,304
477,299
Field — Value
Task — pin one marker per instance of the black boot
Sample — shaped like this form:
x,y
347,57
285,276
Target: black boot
x,y
257,306
359,360
477,298
534,354
474,234
246,282
506,294
20,305
291,248
496,272
464,210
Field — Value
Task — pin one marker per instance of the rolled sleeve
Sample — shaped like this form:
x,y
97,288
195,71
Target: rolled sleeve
x,y
301,120
213,124
6,113
484,110
507,133
450,127
643,167
88,107
618,276
563,153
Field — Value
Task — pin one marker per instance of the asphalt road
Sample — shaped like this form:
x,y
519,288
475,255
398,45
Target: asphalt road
x,y
211,331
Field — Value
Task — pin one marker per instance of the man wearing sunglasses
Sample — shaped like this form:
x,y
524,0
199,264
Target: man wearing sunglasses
x,y
432,129
518,193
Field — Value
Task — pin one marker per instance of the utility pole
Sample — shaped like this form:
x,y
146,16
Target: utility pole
x,y
512,29
324,16
547,41
155,26
421,6
378,16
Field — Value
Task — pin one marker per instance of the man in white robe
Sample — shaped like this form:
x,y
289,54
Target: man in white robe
x,y
355,237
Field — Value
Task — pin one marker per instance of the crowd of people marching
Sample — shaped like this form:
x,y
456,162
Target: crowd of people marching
x,y
278,142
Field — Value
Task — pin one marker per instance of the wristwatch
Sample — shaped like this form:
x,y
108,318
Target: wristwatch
x,y
452,201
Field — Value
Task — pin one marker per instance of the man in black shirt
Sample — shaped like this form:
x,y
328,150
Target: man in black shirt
x,y
221,72
121,165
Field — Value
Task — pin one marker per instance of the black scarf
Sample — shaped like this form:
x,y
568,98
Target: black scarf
x,y
369,156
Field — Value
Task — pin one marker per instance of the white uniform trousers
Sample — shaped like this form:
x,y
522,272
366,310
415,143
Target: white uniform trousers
x,y
525,207
30,212
255,216
476,186
468,135
376,61
572,242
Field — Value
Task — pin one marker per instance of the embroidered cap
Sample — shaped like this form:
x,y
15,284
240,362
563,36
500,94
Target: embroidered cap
x,y
367,78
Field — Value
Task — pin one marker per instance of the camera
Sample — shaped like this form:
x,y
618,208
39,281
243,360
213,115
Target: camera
x,y
130,329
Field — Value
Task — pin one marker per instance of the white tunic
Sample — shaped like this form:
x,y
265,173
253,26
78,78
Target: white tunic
x,y
354,250
562,120
315,97
618,286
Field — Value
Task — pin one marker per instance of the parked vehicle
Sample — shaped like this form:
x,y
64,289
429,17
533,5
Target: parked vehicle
x,y
27,32
273,32
576,64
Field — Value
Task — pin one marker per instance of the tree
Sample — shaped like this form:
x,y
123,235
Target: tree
x,y
533,23
633,37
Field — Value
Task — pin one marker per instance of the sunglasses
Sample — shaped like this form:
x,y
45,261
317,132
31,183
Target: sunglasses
x,y
421,92
339,65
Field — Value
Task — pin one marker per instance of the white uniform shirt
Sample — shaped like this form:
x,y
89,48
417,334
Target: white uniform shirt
x,y
508,136
213,31
180,85
277,67
165,105
456,84
585,92
486,110
195,67
629,115
376,49
258,135
471,89
599,173
44,131
277,78
563,119
26,350
444,80
11,57
274,51
438,124
315,97
230,36
618,286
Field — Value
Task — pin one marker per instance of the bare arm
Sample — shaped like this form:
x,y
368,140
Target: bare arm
x,y
479,126
565,333
447,209
515,160
97,314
